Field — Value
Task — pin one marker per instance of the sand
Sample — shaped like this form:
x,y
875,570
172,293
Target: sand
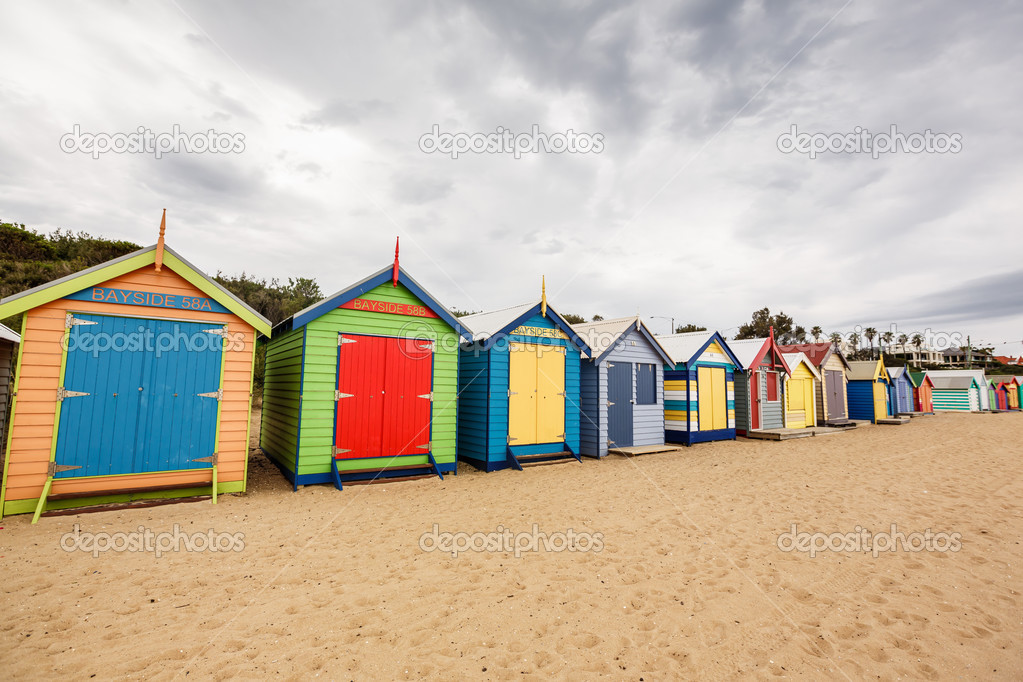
x,y
690,581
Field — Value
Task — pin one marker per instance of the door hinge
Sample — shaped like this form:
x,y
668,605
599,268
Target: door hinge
x,y
72,321
563,393
54,468
219,331
511,438
338,395
511,393
218,394
424,447
212,459
64,393
341,451
429,345
342,340
428,396
561,436
609,403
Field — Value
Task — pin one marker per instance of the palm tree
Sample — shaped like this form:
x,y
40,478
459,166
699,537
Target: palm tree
x,y
918,341
888,336
870,333
835,338
854,341
816,332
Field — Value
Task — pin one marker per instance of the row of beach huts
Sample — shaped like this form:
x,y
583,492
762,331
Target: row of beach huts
x,y
134,382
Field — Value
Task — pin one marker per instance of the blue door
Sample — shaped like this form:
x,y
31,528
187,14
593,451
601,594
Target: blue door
x,y
134,401
619,404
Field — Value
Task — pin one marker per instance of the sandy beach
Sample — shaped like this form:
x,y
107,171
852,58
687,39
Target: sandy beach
x,y
689,582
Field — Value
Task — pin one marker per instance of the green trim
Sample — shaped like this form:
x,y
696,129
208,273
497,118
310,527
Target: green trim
x,y
220,409
27,506
248,422
76,284
10,417
41,502
201,283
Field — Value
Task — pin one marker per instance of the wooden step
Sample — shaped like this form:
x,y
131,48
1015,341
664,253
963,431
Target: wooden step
x,y
401,467
388,479
125,491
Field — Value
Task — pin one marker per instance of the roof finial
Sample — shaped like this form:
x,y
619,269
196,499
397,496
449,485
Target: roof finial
x,y
159,242
771,332
394,274
543,296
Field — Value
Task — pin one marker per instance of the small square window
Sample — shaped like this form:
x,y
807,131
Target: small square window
x,y
646,384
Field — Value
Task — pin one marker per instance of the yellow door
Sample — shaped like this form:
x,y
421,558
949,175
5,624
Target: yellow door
x,y
521,394
809,404
797,403
550,394
712,398
880,401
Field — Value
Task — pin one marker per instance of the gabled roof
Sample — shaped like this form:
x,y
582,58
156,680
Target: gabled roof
x,y
686,348
97,274
865,370
488,327
792,360
751,352
976,374
602,337
919,377
958,383
818,353
1006,378
335,300
8,334
896,372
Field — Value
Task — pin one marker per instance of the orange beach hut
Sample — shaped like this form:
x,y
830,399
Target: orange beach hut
x,y
134,381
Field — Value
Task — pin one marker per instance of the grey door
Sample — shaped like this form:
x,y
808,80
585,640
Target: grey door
x,y
836,396
619,404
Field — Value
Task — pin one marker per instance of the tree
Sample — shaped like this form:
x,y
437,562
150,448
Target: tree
x,y
903,340
686,328
462,313
835,338
854,341
598,318
870,333
574,319
816,332
888,336
918,341
785,329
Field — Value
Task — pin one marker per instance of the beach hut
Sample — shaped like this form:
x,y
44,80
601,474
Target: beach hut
x,y
900,390
519,388
622,385
133,381
9,340
956,393
1012,385
801,390
984,394
363,385
832,405
923,387
868,391
759,385
699,388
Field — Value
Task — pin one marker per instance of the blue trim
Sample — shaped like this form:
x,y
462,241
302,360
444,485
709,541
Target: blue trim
x,y
298,435
724,346
558,320
692,437
365,286
635,326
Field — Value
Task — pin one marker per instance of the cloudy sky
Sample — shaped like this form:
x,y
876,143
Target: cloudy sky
x,y
690,210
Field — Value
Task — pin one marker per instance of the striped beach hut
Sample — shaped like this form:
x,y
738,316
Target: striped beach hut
x,y
519,388
363,385
134,381
868,391
759,385
622,386
9,340
900,390
955,393
923,387
832,403
1013,385
984,394
699,388
801,390
1000,395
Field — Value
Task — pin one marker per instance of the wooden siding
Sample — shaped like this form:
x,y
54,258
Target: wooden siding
x,y
316,408
681,398
833,364
796,387
647,420
33,419
955,400
282,389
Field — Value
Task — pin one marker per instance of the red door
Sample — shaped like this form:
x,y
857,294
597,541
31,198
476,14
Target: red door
x,y
383,396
